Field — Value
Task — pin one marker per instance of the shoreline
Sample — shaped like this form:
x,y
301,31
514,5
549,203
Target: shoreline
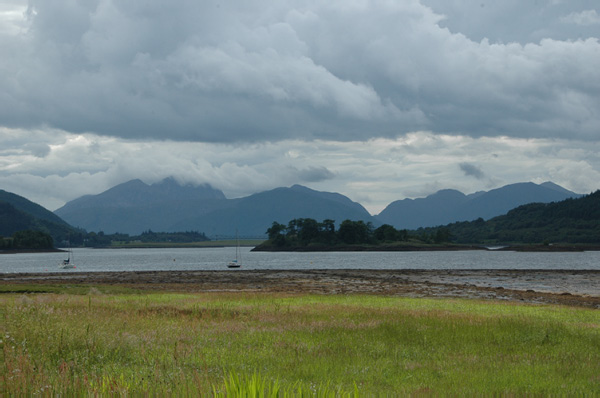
x,y
25,251
564,287
411,248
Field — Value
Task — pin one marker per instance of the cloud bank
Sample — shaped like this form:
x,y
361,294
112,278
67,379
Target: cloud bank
x,y
343,70
374,172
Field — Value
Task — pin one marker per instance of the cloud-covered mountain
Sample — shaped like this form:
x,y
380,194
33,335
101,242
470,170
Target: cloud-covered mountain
x,y
447,206
134,207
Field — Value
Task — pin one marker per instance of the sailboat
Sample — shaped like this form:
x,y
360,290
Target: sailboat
x,y
237,263
69,262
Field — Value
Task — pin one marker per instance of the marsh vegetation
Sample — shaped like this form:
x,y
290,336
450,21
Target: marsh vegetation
x,y
97,340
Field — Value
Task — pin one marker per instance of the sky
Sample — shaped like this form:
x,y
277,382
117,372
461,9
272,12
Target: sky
x,y
377,100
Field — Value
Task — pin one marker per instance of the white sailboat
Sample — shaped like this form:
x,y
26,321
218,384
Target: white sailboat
x,y
237,263
69,262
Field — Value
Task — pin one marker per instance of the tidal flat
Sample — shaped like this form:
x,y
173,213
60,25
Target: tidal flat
x,y
70,338
567,287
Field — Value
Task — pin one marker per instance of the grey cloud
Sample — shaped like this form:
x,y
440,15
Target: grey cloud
x,y
516,20
583,18
314,174
471,170
11,16
219,72
39,149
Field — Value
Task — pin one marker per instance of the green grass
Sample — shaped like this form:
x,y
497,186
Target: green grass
x,y
66,289
111,342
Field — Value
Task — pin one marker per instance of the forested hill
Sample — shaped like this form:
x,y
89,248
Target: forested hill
x,y
18,214
31,208
568,221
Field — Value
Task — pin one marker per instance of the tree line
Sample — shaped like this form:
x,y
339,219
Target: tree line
x,y
39,240
303,232
100,239
27,240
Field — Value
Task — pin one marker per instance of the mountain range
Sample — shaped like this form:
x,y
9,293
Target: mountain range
x,y
448,205
134,207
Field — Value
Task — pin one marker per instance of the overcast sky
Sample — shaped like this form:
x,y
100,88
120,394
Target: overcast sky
x,y
377,100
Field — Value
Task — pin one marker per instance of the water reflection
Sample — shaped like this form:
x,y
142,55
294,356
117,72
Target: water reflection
x,y
94,260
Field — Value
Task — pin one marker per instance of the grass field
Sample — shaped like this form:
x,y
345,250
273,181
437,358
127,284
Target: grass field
x,y
76,340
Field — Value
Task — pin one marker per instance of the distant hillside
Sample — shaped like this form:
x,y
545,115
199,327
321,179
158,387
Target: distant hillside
x,y
13,220
134,207
18,213
569,221
254,214
449,206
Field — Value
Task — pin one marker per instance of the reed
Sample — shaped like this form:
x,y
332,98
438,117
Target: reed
x,y
277,345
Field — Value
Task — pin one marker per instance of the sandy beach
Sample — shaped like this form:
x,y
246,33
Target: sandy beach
x,y
579,288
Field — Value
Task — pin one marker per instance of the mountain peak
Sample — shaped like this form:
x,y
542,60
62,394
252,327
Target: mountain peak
x,y
447,193
169,181
301,188
176,190
555,187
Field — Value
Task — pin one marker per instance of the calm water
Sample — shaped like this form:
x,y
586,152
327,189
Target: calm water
x,y
90,260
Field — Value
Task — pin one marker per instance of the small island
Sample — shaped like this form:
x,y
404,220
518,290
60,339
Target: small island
x,y
307,234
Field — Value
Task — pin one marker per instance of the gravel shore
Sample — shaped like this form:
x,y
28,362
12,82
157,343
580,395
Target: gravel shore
x,y
579,288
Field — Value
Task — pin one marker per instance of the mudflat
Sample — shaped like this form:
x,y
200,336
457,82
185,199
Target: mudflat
x,y
578,288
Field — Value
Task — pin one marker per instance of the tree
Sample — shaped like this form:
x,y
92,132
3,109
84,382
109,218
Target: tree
x,y
275,230
292,228
5,243
354,232
34,240
403,235
327,229
442,235
386,233
308,231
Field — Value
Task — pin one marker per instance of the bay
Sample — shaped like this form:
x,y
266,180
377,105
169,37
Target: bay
x,y
186,259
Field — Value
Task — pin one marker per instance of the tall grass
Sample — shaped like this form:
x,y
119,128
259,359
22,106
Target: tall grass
x,y
277,345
